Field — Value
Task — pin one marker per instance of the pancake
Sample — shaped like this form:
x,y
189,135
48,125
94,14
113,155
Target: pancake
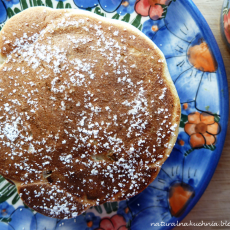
x,y
88,110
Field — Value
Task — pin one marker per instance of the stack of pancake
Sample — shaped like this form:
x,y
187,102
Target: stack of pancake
x,y
88,110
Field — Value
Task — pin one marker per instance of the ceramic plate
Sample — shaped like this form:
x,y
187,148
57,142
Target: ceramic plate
x,y
197,69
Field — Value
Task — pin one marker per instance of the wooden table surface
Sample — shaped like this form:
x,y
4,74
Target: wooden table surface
x,y
214,205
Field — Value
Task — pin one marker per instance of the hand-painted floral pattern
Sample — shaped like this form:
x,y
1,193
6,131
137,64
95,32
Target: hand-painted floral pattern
x,y
126,7
10,3
202,129
124,211
106,5
4,4
152,8
5,210
180,195
197,71
24,218
83,222
201,57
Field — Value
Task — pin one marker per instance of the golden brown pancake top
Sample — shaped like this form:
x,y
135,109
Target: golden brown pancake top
x,y
88,112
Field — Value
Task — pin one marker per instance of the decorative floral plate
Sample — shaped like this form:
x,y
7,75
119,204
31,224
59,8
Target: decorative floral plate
x,y
197,69
225,22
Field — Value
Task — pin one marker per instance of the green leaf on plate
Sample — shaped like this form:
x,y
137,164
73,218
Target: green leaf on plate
x,y
164,14
183,120
35,2
165,8
2,179
227,5
114,206
7,191
207,107
98,209
25,206
10,12
216,118
110,207
88,9
137,21
15,199
40,3
16,10
188,152
60,5
116,16
140,27
23,4
98,11
49,3
126,18
68,6
225,10
5,220
6,187
128,225
210,147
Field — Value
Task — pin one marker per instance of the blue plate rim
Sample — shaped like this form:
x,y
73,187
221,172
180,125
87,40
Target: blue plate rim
x,y
224,105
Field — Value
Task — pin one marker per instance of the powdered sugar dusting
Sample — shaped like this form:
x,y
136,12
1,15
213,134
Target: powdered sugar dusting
x,y
85,116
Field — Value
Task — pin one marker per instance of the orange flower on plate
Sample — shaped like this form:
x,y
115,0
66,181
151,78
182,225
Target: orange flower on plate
x,y
202,129
151,8
180,194
201,58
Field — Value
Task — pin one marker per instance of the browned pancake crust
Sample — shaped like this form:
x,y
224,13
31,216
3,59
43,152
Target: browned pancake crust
x,y
88,110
